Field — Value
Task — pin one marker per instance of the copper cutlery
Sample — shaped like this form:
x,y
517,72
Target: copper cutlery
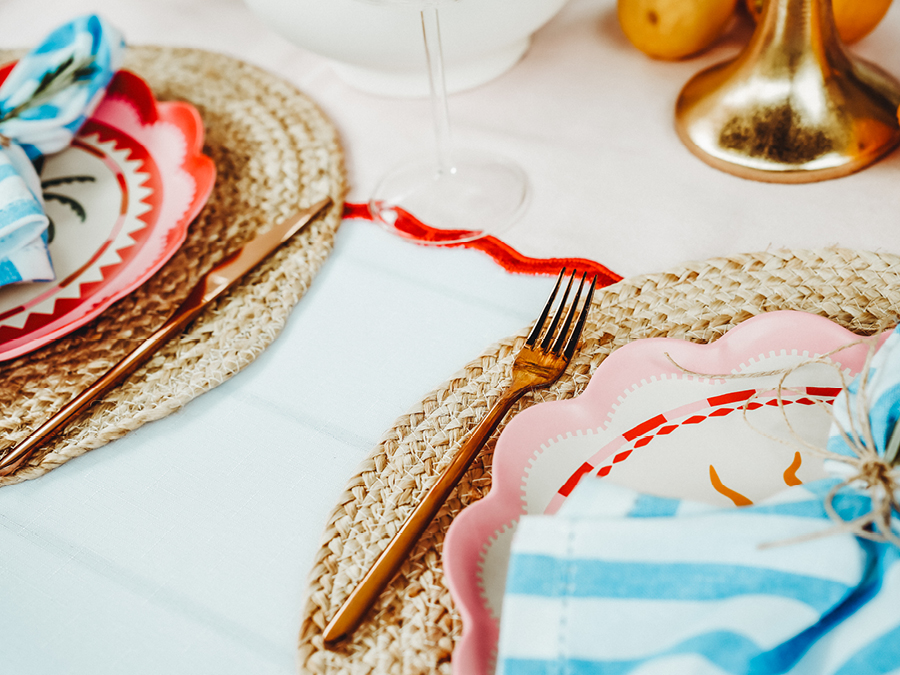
x,y
539,363
212,285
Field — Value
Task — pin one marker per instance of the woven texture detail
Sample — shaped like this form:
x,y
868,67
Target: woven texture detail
x,y
414,626
274,151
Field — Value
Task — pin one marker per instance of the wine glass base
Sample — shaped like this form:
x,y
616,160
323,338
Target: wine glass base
x,y
482,195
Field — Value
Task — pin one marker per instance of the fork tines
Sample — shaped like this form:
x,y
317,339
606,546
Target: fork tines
x,y
566,341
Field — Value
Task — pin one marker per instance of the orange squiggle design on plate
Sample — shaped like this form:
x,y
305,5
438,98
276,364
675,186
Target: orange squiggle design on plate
x,y
736,497
790,474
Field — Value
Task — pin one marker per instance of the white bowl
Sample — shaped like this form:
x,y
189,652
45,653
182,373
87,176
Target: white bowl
x,y
379,49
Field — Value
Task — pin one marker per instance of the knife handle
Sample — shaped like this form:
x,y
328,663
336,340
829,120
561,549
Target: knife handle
x,y
210,286
188,311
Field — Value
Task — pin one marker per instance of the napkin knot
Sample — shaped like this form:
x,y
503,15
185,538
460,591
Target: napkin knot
x,y
880,481
876,475
44,101
864,422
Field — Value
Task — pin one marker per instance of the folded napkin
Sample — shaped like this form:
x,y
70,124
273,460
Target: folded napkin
x,y
867,412
43,103
621,582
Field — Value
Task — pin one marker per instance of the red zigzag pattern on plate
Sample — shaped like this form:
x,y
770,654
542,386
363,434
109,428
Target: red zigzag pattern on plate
x,y
721,405
61,306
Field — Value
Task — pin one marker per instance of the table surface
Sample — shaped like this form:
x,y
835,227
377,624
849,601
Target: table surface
x,y
111,565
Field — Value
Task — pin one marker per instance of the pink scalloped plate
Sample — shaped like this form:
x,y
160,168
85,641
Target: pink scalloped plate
x,y
646,423
121,198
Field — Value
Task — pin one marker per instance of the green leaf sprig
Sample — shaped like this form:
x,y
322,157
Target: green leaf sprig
x,y
52,82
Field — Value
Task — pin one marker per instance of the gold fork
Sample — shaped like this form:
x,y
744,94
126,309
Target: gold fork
x,y
538,364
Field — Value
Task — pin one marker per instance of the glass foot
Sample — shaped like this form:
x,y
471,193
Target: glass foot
x,y
481,195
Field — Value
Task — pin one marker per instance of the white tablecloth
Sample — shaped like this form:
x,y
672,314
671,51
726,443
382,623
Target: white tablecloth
x,y
183,548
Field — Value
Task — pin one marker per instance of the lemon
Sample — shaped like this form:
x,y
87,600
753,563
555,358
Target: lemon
x,y
673,29
854,18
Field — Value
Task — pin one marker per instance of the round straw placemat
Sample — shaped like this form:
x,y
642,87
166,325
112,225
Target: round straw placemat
x,y
274,151
414,626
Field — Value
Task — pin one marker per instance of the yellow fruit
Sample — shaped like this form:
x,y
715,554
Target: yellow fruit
x,y
854,18
673,29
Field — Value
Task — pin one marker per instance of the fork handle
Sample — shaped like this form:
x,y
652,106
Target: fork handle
x,y
361,599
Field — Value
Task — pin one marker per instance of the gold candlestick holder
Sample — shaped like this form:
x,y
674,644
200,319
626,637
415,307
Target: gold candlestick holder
x,y
793,106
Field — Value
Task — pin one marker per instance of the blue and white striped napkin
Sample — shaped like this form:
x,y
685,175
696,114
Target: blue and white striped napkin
x,y
869,416
621,582
43,103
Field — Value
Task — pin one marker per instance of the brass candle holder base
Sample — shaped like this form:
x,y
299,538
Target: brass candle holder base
x,y
793,107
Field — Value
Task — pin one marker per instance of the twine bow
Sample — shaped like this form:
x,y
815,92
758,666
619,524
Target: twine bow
x,y
864,440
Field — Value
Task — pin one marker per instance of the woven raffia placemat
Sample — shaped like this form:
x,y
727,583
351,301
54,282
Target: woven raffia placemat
x,y
413,628
274,151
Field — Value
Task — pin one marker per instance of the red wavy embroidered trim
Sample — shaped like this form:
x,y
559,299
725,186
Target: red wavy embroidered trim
x,y
505,256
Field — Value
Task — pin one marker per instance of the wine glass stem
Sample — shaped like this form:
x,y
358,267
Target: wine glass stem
x,y
431,31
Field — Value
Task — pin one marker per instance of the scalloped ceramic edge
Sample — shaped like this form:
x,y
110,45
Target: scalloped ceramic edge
x,y
169,136
476,527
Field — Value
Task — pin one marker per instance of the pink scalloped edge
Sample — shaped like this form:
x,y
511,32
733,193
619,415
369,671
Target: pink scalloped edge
x,y
473,529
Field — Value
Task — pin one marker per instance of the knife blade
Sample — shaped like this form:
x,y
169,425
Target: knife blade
x,y
211,285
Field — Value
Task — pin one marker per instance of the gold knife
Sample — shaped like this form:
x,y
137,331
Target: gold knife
x,y
211,285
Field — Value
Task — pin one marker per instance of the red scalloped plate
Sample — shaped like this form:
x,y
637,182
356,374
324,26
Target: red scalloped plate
x,y
121,198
